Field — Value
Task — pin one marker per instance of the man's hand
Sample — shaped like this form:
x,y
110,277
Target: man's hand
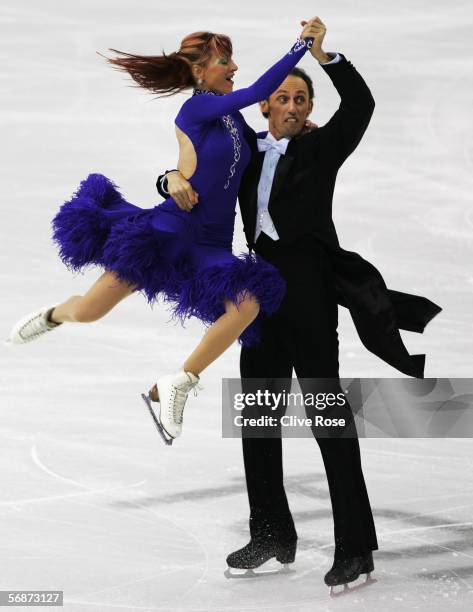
x,y
181,191
308,126
318,31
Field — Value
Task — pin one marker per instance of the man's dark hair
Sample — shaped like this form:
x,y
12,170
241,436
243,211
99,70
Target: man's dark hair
x,y
299,72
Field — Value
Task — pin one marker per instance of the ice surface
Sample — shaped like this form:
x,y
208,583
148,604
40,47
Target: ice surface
x,y
92,502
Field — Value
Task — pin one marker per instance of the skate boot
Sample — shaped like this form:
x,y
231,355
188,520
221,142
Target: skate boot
x,y
172,390
348,570
32,326
258,551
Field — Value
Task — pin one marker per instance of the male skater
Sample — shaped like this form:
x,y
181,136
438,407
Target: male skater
x,y
286,205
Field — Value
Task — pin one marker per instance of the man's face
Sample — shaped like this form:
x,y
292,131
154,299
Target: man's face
x,y
288,107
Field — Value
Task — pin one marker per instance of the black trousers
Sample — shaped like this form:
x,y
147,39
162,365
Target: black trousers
x,y
303,335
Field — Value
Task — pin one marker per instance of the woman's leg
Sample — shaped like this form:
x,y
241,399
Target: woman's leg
x,y
104,294
219,336
222,333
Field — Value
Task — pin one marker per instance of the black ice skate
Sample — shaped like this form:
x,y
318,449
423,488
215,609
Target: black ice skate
x,y
257,552
348,570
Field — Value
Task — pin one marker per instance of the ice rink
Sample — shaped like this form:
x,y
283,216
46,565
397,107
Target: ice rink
x,y
92,502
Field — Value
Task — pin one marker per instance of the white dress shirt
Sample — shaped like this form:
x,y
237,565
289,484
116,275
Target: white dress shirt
x,y
264,222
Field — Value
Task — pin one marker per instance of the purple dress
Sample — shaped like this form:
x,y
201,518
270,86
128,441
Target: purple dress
x,y
185,258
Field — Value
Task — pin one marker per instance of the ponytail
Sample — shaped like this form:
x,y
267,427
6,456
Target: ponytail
x,y
165,74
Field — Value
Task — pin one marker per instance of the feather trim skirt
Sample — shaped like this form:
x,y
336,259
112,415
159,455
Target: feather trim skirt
x,y
157,251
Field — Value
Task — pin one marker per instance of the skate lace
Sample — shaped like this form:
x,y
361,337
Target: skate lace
x,y
33,327
179,397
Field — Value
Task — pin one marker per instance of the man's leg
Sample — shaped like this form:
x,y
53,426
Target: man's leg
x,y
316,356
269,510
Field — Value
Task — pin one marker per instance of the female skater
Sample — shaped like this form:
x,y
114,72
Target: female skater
x,y
185,258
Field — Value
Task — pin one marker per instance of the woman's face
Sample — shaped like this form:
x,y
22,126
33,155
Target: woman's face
x,y
217,74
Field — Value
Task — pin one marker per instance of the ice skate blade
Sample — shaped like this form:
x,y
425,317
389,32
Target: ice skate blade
x,y
232,572
348,589
159,427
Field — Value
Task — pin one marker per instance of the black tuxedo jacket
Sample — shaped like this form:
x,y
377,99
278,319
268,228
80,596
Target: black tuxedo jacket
x,y
301,203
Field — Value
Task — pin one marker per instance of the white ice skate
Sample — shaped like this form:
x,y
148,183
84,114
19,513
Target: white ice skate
x,y
172,390
32,326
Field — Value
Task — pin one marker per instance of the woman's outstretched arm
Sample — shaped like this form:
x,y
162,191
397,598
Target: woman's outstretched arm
x,y
200,109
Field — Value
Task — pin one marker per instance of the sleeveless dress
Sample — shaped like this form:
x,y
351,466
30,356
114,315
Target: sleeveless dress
x,y
184,258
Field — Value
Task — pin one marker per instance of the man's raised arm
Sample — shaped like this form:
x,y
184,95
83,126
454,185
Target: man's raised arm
x,y
342,133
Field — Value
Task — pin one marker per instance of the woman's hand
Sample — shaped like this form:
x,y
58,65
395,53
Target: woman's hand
x,y
314,28
181,191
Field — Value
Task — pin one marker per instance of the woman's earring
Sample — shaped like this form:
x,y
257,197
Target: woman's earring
x,y
199,81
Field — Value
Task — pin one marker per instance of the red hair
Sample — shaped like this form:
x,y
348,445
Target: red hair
x,y
170,74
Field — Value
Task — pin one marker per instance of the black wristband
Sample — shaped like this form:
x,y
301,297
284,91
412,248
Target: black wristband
x,y
162,183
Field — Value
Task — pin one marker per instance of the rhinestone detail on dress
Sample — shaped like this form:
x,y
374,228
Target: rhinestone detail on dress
x,y
232,128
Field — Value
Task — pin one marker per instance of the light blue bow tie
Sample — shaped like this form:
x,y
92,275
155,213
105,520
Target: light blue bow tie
x,y
265,144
